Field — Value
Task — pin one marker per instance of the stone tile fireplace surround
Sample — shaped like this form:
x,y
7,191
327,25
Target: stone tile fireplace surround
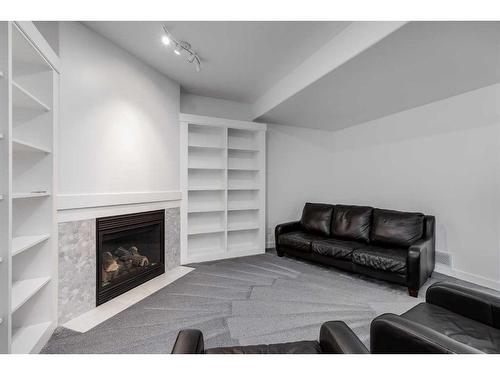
x,y
77,257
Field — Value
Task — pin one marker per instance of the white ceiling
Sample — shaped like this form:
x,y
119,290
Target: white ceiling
x,y
420,63
417,64
240,60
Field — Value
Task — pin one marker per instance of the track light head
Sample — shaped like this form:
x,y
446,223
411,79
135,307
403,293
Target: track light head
x,y
165,40
181,46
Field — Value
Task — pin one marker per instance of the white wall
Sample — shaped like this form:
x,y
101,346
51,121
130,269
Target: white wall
x,y
440,159
118,129
207,106
50,31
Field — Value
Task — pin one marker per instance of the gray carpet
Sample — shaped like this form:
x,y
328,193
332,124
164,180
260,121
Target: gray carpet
x,y
251,300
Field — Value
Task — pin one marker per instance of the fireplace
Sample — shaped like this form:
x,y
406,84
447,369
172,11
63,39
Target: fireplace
x,y
130,251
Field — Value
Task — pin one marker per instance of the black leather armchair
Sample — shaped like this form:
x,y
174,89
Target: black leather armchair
x,y
335,338
454,319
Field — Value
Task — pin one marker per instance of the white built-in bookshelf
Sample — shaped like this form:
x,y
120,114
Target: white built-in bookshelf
x,y
28,252
223,188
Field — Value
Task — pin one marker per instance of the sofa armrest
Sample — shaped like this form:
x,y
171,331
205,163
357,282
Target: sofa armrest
x,y
189,341
337,338
419,265
422,255
472,302
285,228
393,334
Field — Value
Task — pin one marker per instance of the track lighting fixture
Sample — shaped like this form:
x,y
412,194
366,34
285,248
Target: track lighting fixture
x,y
181,48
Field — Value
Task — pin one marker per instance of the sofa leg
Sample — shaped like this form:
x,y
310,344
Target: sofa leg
x,y
413,292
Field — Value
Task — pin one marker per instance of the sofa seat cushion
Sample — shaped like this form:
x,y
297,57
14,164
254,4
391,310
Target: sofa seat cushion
x,y
396,228
456,327
298,240
352,222
381,258
335,248
299,347
317,218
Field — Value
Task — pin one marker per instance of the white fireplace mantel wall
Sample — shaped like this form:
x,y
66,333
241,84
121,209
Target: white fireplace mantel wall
x,y
118,153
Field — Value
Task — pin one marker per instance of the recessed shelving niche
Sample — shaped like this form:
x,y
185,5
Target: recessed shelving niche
x,y
23,99
209,158
243,200
242,220
206,222
243,179
206,200
245,160
209,179
24,243
243,139
206,137
23,146
205,246
223,178
243,241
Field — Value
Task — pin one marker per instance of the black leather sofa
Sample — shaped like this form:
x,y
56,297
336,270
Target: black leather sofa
x,y
334,338
454,319
389,245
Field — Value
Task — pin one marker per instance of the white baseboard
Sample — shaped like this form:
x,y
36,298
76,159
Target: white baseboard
x,y
443,269
466,276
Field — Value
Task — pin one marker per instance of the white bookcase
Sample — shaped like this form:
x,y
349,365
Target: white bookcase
x,y
223,188
28,252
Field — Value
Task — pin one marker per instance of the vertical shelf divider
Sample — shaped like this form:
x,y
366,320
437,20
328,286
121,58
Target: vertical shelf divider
x,y
5,188
226,184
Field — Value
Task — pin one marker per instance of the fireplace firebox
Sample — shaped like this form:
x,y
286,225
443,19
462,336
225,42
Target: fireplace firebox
x,y
130,251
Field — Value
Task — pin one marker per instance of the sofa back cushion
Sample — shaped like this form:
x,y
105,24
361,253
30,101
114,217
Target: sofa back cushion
x,y
352,222
396,228
317,218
